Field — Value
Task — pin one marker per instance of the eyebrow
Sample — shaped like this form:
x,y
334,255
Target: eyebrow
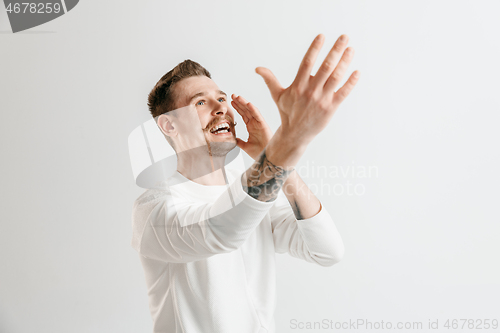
x,y
203,93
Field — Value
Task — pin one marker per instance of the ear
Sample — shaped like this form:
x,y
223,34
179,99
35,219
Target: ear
x,y
166,125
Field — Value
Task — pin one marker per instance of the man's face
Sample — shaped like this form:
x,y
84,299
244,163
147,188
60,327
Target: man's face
x,y
214,113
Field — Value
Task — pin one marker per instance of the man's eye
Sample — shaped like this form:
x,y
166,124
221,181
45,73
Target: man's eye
x,y
198,103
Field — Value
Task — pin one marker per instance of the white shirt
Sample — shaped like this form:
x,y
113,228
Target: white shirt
x,y
208,253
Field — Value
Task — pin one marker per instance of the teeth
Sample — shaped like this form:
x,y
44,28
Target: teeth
x,y
224,125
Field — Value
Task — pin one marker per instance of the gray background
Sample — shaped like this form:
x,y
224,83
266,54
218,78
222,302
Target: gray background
x,y
421,243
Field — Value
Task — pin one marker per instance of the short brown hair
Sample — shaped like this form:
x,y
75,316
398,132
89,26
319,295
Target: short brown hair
x,y
162,98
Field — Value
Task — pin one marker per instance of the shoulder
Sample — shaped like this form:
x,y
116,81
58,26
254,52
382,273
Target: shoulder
x,y
150,195
153,197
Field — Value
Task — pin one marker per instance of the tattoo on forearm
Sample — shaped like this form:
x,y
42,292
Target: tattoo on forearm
x,y
263,179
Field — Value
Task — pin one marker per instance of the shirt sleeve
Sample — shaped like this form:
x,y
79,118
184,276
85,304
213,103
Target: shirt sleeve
x,y
179,231
315,239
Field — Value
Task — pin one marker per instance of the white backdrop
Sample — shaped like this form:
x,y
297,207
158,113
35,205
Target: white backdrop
x,y
422,233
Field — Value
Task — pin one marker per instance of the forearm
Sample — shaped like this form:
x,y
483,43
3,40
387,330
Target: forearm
x,y
266,176
304,203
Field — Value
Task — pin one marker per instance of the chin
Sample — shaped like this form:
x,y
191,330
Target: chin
x,y
221,148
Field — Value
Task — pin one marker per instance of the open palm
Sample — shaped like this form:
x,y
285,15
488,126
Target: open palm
x,y
259,132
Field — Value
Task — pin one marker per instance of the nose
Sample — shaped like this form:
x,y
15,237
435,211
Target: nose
x,y
219,110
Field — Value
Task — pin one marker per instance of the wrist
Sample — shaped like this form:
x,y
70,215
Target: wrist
x,y
295,134
284,149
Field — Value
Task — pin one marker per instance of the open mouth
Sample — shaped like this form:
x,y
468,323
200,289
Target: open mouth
x,y
221,128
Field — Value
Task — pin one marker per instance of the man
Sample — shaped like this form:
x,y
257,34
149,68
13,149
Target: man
x,y
207,236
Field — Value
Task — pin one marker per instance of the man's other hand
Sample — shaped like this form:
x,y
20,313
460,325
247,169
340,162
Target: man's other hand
x,y
259,132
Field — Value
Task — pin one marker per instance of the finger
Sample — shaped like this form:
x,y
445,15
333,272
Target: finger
x,y
241,102
330,61
254,112
272,82
346,89
251,110
242,114
337,75
308,61
236,102
240,110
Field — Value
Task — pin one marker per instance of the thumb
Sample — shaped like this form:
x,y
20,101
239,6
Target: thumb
x,y
240,143
271,81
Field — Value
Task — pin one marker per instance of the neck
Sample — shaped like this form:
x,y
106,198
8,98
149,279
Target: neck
x,y
202,168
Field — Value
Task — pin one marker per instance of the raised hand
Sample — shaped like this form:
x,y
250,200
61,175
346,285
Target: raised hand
x,y
308,104
259,132
305,107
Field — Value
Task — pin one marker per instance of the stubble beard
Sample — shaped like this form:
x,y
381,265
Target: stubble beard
x,y
220,149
